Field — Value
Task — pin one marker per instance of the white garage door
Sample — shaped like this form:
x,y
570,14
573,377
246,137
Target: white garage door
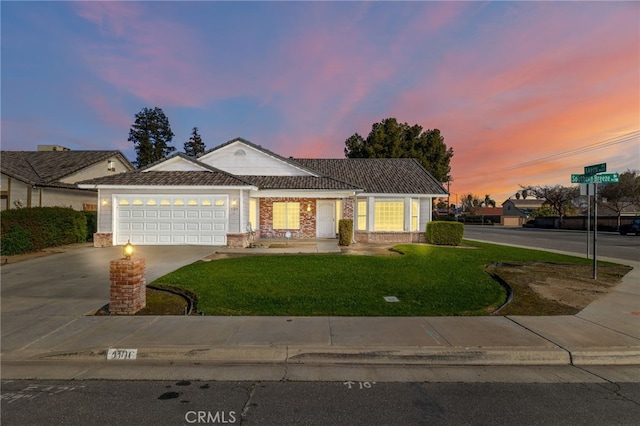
x,y
171,219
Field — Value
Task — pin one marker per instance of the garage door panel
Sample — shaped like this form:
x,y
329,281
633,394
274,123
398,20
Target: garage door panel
x,y
165,220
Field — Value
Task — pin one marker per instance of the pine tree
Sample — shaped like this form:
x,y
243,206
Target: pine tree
x,y
151,135
390,139
194,146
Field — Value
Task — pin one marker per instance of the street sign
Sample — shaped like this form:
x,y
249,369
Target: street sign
x,y
579,178
596,168
605,178
602,178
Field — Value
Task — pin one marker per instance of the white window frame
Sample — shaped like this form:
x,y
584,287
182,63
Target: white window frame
x,y
291,212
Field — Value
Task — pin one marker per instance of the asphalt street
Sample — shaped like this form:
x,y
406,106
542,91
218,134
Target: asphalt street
x,y
345,402
609,244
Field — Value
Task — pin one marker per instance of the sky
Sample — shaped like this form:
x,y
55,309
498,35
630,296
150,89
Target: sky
x,y
526,93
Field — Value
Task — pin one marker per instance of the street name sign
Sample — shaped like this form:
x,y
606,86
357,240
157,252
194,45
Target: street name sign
x,y
601,178
596,168
579,178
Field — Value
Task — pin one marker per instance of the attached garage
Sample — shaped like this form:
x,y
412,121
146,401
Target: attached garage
x,y
171,219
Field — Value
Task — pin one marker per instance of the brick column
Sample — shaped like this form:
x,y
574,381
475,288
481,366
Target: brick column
x,y
128,286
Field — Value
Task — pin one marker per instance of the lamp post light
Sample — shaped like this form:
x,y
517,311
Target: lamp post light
x,y
128,250
128,283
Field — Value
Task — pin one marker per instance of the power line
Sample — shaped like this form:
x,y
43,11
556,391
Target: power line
x,y
598,145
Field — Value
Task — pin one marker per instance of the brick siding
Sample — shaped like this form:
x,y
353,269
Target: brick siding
x,y
128,286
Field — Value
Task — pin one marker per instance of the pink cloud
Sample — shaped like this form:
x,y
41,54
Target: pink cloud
x,y
157,60
541,91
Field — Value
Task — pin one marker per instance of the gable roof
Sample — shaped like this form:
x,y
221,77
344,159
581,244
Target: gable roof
x,y
47,168
168,178
301,182
176,156
379,175
369,175
525,204
290,161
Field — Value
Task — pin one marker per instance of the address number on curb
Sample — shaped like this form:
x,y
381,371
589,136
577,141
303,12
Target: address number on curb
x,y
121,354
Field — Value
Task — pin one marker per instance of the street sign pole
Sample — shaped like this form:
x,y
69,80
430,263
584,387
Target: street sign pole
x,y
595,231
588,220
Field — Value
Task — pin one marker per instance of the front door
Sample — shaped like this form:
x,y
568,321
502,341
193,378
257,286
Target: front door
x,y
326,219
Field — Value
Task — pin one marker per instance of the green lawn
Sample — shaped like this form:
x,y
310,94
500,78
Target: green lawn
x,y
428,280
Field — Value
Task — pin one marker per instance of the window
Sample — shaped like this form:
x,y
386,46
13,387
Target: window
x,y
389,216
253,213
286,215
361,223
415,209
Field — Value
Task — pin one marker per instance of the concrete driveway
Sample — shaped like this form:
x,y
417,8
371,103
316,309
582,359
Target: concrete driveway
x,y
43,294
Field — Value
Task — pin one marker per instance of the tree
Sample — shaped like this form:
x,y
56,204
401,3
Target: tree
x,y
151,135
559,198
471,203
390,139
194,146
623,194
488,202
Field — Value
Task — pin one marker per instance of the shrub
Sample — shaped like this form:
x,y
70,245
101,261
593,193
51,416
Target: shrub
x,y
42,226
16,240
444,233
345,231
92,224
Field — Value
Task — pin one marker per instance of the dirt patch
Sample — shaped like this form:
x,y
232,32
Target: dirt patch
x,y
554,289
370,249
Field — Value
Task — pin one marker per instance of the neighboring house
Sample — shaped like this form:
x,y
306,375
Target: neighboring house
x,y
240,190
516,212
490,214
47,177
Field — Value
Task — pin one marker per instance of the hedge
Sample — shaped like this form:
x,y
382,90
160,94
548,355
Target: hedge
x,y
345,231
444,233
31,229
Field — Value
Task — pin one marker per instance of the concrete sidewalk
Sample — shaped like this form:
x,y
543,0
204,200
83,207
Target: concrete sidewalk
x,y
48,335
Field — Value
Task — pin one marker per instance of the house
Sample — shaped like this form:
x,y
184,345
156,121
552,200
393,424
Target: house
x,y
48,177
491,215
516,212
240,190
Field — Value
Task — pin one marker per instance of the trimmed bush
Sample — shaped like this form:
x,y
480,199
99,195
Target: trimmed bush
x,y
30,229
92,224
444,233
16,240
345,231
